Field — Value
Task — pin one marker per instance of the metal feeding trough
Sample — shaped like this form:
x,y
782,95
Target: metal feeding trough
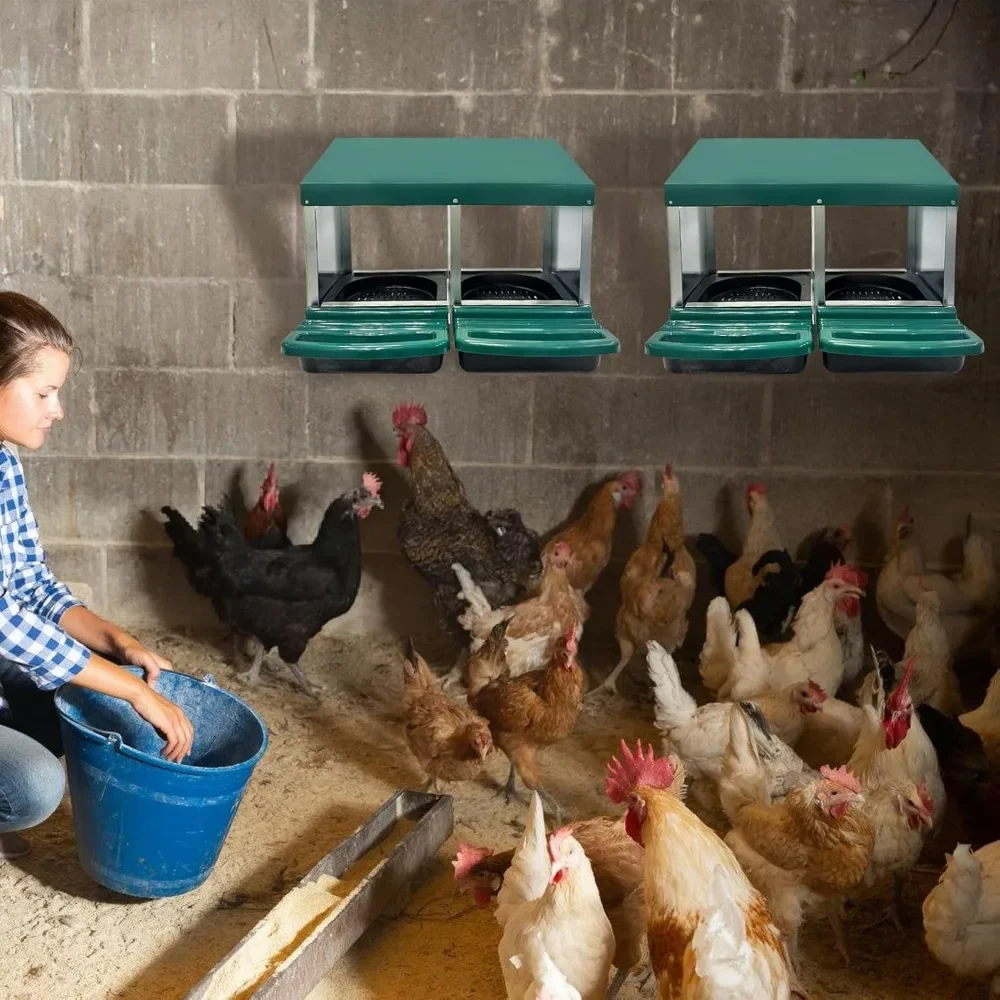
x,y
757,321
368,875
508,319
891,320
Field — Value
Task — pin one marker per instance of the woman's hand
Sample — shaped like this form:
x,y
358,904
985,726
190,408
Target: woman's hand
x,y
133,652
167,719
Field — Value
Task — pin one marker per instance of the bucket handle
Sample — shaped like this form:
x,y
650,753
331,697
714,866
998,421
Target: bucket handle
x,y
115,739
209,679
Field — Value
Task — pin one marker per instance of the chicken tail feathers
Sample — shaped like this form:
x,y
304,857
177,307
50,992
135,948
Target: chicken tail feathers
x,y
470,592
674,706
742,780
718,557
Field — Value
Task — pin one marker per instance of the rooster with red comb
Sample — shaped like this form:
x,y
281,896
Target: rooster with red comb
x,y
439,527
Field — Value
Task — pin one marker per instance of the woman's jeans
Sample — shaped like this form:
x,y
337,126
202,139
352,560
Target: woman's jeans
x,y
32,781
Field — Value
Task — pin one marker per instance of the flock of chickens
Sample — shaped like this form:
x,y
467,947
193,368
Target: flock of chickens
x,y
822,771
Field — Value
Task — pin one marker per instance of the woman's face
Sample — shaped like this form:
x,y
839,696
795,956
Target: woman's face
x,y
29,406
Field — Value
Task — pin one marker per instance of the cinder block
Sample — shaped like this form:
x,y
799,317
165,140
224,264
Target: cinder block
x,y
39,44
866,237
945,424
473,46
279,137
165,231
153,324
584,45
264,313
308,488
70,299
268,244
40,231
81,568
48,132
630,237
633,312
72,434
401,236
978,251
176,45
200,413
964,56
633,421
778,237
155,140
147,586
110,499
704,45
476,418
975,138
114,138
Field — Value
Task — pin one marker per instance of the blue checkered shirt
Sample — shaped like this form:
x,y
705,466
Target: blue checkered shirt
x,y
32,600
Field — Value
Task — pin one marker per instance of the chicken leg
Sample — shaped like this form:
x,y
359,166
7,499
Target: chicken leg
x,y
252,676
626,650
617,983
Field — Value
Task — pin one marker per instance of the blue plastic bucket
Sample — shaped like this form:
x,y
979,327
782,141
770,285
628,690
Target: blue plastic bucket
x,y
145,826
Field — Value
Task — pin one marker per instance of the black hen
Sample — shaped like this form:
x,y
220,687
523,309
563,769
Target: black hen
x,y
281,597
776,600
966,773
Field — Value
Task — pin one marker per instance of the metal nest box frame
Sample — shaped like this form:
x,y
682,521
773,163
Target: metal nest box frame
x,y
865,320
506,319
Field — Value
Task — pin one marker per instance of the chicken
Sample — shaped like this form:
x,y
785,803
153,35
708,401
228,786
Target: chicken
x,y
551,899
547,982
265,525
847,624
489,661
617,863
934,682
280,597
657,585
449,740
535,625
966,601
985,720
589,536
776,600
740,581
710,934
700,735
532,711
962,915
892,746
900,811
813,653
438,527
804,852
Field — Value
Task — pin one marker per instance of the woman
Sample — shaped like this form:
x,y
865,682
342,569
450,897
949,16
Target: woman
x,y
47,637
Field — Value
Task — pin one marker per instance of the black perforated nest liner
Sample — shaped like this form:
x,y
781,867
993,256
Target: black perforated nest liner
x,y
873,287
751,288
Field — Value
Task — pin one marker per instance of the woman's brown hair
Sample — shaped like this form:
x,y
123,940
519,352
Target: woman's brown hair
x,y
25,328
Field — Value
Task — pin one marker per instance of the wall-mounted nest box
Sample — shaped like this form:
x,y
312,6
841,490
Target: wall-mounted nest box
x,y
505,319
865,320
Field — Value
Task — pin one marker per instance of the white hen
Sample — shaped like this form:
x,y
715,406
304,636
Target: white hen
x,y
552,909
962,915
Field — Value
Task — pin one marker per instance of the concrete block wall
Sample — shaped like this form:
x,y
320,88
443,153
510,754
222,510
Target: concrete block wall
x,y
149,164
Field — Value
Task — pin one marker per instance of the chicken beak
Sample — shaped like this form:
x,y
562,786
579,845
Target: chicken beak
x,y
376,501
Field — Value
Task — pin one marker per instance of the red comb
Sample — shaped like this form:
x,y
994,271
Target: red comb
x,y
816,691
848,574
902,688
635,769
905,517
408,413
468,857
372,483
756,489
561,550
270,479
841,776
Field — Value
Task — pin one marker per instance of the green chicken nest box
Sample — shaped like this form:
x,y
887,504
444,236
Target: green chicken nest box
x,y
865,320
503,320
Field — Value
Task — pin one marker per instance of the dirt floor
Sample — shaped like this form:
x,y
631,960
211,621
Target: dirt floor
x,y
329,765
